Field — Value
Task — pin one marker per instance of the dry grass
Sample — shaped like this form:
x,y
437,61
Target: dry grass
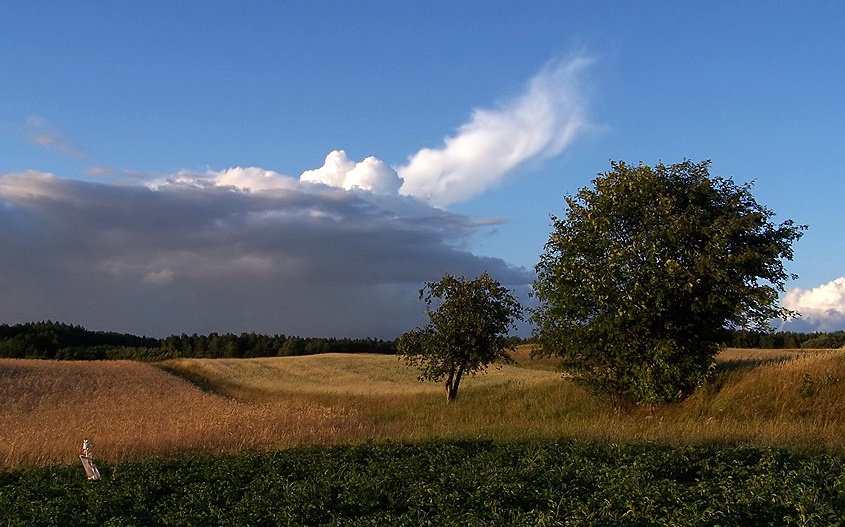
x,y
331,374
130,410
743,356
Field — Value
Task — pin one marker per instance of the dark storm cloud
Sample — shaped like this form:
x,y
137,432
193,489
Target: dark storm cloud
x,y
194,255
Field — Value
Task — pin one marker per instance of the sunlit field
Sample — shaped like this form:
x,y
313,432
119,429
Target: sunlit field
x,y
333,374
130,410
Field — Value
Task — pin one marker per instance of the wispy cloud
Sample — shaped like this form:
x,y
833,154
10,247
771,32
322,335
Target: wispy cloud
x,y
537,124
822,308
99,171
41,133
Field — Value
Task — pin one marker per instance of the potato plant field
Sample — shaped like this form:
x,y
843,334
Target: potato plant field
x,y
441,483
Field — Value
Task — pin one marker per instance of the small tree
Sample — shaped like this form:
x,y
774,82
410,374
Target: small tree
x,y
467,330
639,280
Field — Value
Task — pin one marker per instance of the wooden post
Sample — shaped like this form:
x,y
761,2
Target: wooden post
x,y
87,458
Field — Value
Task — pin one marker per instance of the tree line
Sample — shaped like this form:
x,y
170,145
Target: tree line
x,y
784,339
60,341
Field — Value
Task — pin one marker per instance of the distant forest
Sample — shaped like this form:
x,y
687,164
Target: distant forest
x,y
56,340
783,339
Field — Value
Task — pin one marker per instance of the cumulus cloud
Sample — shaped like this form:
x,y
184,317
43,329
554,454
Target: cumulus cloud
x,y
371,174
822,308
243,249
537,124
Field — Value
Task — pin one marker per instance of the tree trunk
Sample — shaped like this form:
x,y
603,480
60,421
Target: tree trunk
x,y
453,382
448,386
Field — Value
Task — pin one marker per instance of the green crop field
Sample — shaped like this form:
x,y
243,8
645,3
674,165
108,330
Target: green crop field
x,y
442,483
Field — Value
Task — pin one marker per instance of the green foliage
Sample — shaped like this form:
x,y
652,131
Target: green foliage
x,y
638,282
442,483
825,340
467,331
741,338
54,340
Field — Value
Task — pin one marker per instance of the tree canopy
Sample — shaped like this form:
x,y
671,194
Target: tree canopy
x,y
648,267
467,330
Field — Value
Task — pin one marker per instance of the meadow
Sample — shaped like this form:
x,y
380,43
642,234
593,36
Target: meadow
x,y
131,410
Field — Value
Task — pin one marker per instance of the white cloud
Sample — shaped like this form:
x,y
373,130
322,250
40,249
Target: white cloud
x,y
538,124
338,170
822,308
249,179
333,172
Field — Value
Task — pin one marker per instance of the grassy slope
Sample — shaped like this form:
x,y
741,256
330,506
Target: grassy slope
x,y
131,410
332,374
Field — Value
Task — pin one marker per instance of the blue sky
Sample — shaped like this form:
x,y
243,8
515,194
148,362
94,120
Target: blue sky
x,y
163,165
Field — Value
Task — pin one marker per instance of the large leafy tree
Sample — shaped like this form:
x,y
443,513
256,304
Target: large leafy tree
x,y
468,327
637,283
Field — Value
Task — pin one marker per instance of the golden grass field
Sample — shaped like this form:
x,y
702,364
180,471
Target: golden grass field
x,y
130,410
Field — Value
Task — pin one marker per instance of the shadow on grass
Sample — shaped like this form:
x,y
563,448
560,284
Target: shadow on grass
x,y
193,378
739,364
